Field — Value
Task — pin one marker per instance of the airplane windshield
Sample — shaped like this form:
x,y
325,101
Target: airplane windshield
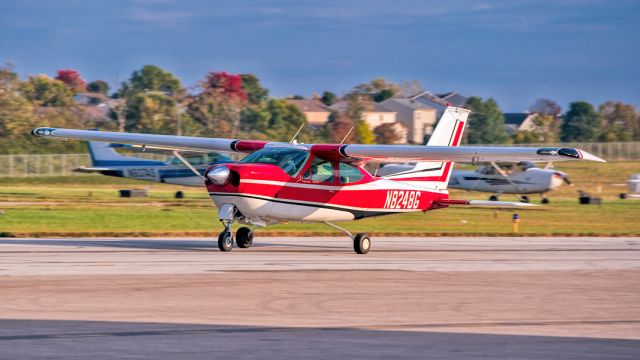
x,y
289,160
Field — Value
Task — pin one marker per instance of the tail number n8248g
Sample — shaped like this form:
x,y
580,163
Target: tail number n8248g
x,y
399,199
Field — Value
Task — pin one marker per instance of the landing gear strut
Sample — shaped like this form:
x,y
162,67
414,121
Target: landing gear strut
x,y
361,241
244,237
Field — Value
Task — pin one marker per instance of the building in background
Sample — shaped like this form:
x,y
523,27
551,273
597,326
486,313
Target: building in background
x,y
315,111
419,118
514,122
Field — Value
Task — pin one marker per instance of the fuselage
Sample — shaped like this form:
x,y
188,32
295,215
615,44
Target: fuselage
x,y
314,190
530,181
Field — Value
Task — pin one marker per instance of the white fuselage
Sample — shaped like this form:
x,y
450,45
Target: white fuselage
x,y
529,181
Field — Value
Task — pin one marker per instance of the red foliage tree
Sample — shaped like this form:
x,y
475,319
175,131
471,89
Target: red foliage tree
x,y
225,84
72,79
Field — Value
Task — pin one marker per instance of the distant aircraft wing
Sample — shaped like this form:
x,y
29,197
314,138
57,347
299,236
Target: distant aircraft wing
x,y
87,169
486,204
349,152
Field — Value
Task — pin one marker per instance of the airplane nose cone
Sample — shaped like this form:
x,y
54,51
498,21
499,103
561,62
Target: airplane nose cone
x,y
219,175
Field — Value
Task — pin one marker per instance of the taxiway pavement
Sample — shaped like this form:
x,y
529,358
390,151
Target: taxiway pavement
x,y
313,297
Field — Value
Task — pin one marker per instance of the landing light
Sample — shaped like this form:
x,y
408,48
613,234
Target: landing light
x,y
219,175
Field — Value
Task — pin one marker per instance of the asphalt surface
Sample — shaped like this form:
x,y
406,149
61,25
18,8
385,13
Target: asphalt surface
x,y
523,298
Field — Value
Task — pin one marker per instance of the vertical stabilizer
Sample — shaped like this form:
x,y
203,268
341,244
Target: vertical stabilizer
x,y
102,154
448,132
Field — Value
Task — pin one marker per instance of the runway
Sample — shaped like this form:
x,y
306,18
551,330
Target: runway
x,y
529,298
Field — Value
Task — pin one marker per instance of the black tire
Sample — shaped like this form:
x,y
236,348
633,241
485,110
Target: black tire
x,y
524,199
244,237
361,243
545,201
493,198
225,241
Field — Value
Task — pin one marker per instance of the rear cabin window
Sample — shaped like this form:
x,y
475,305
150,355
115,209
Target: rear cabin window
x,y
319,171
349,173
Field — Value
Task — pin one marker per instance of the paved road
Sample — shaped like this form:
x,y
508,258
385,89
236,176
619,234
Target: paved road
x,y
525,298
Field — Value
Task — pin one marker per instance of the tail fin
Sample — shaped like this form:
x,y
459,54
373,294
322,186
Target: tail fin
x,y
102,154
448,132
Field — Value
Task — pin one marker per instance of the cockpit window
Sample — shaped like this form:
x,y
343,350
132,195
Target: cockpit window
x,y
289,160
320,170
349,173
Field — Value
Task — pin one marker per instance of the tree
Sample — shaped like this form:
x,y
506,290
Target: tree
x,y
486,123
42,90
72,79
546,107
255,92
339,126
225,85
152,113
383,95
377,89
151,78
219,105
98,87
620,122
328,98
581,123
387,134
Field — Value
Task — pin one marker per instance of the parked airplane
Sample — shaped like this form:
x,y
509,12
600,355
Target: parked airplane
x,y
187,170
505,178
280,182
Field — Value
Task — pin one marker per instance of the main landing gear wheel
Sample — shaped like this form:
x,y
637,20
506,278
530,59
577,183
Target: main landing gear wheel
x,y
361,243
493,198
524,199
545,200
244,237
225,241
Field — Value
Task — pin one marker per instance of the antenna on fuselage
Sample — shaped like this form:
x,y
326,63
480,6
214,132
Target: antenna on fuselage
x,y
297,132
348,133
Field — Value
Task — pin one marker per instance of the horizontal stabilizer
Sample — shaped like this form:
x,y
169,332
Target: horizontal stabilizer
x,y
486,204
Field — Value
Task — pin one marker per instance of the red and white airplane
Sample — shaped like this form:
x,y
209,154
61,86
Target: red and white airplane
x,y
280,182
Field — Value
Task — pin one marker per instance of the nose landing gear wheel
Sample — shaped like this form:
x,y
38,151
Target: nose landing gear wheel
x,y
361,243
244,237
225,241
545,200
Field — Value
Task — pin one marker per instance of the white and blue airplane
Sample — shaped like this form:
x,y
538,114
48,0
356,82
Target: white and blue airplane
x,y
182,169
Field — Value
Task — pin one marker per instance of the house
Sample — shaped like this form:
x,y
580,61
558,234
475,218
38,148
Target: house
x,y
374,117
315,111
514,122
419,118
453,98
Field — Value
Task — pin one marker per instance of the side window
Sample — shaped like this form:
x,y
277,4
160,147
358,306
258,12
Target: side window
x,y
319,171
349,173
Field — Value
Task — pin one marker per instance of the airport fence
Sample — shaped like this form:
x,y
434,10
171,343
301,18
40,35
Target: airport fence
x,y
63,164
52,164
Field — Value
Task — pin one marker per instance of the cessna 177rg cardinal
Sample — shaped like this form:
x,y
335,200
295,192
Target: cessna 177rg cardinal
x,y
327,183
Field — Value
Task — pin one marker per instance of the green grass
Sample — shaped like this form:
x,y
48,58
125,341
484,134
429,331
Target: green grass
x,y
89,204
566,217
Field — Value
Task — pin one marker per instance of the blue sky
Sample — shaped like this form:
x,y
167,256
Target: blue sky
x,y
514,51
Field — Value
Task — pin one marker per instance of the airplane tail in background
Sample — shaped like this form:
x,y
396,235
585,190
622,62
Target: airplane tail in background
x,y
448,132
103,155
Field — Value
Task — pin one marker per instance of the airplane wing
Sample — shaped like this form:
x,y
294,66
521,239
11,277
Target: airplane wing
x,y
487,204
165,142
348,152
472,154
